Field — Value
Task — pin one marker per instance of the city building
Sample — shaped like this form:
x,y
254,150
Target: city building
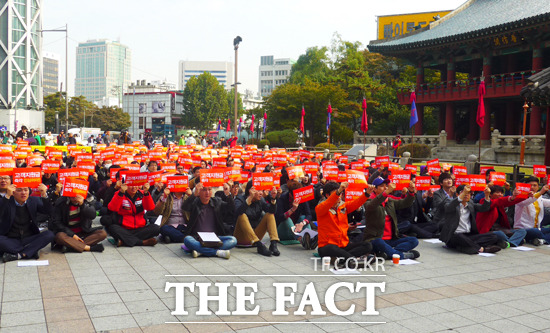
x,y
154,109
102,69
476,43
50,83
223,71
273,73
21,99
250,101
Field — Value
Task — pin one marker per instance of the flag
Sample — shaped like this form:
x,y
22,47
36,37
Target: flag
x,y
364,123
414,114
302,122
480,118
265,120
329,113
252,124
228,125
219,125
240,123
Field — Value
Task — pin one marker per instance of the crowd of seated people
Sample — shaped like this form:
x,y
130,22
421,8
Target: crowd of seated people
x,y
365,215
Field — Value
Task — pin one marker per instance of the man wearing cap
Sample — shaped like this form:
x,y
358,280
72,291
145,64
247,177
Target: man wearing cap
x,y
381,221
460,229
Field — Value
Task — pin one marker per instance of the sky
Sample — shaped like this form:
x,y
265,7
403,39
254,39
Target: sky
x,y
160,33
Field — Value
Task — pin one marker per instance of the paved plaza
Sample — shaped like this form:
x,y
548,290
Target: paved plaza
x,y
122,290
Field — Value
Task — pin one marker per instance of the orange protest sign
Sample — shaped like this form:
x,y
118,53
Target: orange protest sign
x,y
483,169
295,172
356,165
107,154
27,177
56,155
459,170
279,160
219,162
50,166
523,189
319,156
539,171
168,166
212,177
136,178
330,174
343,159
342,177
245,175
353,193
310,167
5,148
434,188
6,167
383,161
233,173
422,183
177,183
462,179
305,194
477,182
84,157
6,156
131,167
165,176
262,181
34,160
74,186
393,166
154,177
249,165
498,178
356,178
88,166
156,155
72,173
434,170
401,179
411,168
20,154
434,163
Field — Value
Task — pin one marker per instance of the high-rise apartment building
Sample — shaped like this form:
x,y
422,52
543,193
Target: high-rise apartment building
x,y
223,71
21,64
51,73
272,73
102,69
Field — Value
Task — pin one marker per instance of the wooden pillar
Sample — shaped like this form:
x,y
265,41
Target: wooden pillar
x,y
441,126
547,144
487,62
486,129
419,74
536,112
511,123
450,120
451,75
474,128
418,130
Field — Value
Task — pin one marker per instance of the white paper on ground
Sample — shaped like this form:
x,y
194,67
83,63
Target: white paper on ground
x,y
312,233
432,240
523,248
158,221
483,254
345,271
408,262
26,263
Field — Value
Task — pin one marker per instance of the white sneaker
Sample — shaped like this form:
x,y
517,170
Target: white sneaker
x,y
538,241
195,254
223,254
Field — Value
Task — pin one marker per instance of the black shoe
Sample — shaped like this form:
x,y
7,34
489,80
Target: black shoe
x,y
382,255
167,240
491,249
36,256
9,257
502,244
412,254
273,249
97,248
313,243
262,249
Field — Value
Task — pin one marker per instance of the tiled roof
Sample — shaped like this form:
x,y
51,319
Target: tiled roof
x,y
474,18
538,89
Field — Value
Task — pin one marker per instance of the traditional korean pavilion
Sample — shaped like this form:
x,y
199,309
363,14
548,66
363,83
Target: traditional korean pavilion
x,y
502,42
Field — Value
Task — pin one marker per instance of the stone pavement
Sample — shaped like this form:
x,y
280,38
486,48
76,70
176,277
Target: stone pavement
x,y
122,290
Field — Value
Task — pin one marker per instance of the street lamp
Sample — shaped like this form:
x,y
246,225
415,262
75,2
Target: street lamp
x,y
66,30
236,42
522,151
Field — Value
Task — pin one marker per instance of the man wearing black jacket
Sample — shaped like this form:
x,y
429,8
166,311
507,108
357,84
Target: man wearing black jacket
x,y
252,224
72,224
207,215
20,237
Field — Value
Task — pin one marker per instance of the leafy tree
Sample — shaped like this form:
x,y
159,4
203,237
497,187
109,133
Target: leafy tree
x,y
204,101
110,118
231,104
313,66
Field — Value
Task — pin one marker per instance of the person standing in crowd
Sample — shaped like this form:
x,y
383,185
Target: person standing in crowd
x,y
61,138
49,139
23,133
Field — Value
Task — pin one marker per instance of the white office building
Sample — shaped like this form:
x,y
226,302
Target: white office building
x,y
21,100
273,73
152,108
102,69
223,71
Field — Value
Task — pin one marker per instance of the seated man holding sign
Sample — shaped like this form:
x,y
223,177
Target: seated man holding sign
x,y
129,226
206,221
252,223
170,205
460,229
529,213
294,213
20,237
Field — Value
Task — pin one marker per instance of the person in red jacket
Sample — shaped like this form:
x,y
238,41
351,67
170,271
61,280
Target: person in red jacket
x,y
332,220
496,220
130,227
